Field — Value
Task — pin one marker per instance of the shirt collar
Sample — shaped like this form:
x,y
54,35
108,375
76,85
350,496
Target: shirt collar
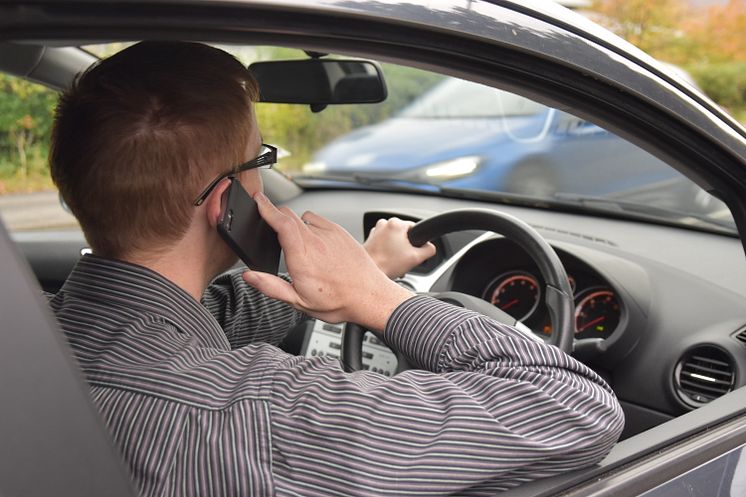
x,y
139,288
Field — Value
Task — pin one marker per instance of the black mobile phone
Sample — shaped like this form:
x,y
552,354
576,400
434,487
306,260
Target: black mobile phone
x,y
246,232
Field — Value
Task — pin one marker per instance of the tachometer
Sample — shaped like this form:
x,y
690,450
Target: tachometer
x,y
597,313
516,293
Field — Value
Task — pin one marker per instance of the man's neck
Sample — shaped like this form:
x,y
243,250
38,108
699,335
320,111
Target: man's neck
x,y
191,263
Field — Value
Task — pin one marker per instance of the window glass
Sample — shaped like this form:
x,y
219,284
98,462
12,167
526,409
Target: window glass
x,y
433,132
451,135
454,98
28,199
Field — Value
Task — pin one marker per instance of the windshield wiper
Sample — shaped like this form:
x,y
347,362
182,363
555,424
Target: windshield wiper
x,y
396,183
599,205
647,211
377,182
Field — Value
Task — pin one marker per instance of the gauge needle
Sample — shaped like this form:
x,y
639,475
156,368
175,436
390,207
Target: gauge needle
x,y
509,304
595,321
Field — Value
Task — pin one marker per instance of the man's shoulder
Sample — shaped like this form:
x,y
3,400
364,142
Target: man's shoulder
x,y
162,363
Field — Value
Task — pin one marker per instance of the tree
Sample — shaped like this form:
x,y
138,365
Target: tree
x,y
709,41
719,32
649,25
26,113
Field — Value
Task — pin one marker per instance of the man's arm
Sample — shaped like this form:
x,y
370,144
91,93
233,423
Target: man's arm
x,y
248,316
245,314
488,410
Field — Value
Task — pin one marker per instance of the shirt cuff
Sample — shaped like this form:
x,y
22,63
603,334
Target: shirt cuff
x,y
420,328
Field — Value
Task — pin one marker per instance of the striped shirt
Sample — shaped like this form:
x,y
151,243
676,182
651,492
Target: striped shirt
x,y
201,402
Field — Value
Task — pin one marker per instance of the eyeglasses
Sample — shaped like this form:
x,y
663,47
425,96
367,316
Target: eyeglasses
x,y
267,156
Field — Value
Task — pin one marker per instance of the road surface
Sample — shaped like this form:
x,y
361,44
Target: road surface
x,y
34,211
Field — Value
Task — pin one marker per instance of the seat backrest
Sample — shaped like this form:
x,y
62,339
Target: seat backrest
x,y
52,439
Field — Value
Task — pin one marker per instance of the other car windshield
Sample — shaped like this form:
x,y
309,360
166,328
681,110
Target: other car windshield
x,y
455,98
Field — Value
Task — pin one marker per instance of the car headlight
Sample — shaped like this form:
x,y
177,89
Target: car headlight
x,y
454,168
314,167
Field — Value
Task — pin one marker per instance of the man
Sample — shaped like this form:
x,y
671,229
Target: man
x,y
185,371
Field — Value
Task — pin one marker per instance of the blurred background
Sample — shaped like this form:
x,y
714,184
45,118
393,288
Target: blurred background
x,y
706,38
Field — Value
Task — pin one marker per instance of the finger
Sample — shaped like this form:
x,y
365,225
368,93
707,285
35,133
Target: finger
x,y
306,219
404,225
293,216
271,286
280,220
274,216
316,220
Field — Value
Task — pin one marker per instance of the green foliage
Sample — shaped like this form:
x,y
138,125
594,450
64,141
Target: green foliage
x,y
650,25
26,113
725,83
705,37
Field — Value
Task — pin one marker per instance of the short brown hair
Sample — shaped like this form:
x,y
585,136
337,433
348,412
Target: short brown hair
x,y
139,134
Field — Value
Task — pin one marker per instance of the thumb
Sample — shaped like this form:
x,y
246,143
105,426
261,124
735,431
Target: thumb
x,y
271,286
428,250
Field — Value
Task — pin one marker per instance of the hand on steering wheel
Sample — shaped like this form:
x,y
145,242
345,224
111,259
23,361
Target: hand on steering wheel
x,y
388,246
558,293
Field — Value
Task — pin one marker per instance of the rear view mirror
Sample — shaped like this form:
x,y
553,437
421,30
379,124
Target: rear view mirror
x,y
319,82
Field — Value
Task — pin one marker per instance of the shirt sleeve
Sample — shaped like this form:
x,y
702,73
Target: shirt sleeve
x,y
247,315
488,409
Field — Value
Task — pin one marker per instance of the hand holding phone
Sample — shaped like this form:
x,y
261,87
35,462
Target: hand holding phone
x,y
246,232
334,278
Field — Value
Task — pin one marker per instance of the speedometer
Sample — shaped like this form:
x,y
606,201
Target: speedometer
x,y
597,313
516,293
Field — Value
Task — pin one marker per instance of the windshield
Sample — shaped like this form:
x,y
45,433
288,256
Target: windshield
x,y
435,134
454,98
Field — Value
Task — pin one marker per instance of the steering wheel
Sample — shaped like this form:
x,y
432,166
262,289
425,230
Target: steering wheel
x,y
558,295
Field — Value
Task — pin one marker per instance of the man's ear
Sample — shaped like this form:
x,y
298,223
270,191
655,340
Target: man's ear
x,y
213,202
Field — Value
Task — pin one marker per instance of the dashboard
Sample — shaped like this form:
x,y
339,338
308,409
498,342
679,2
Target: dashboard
x,y
659,311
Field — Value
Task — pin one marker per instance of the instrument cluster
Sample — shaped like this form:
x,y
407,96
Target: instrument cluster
x,y
502,273
520,293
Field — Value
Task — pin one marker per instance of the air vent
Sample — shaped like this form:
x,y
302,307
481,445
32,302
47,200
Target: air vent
x,y
704,374
740,335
